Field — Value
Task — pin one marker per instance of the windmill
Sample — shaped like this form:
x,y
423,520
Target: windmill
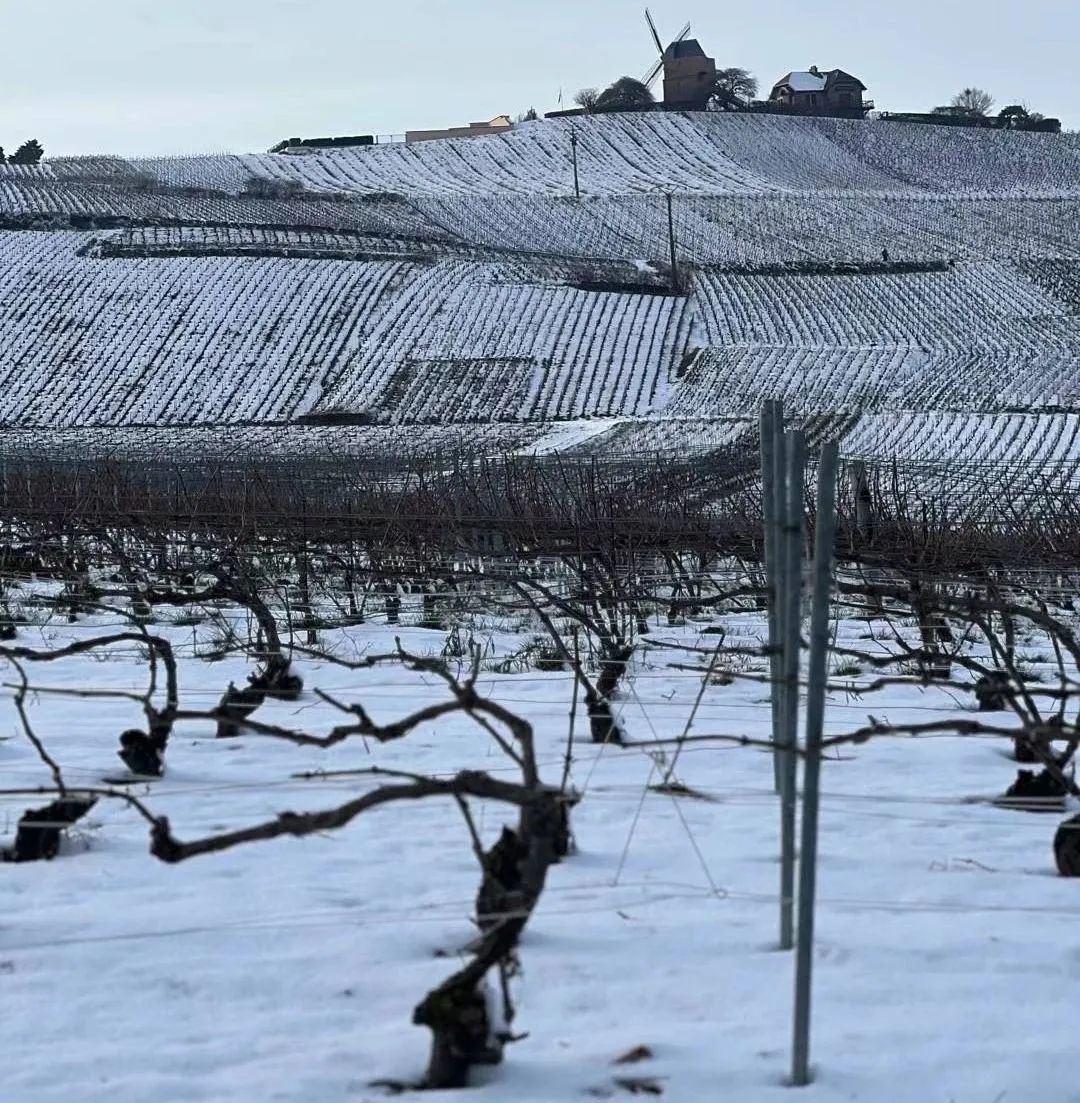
x,y
658,67
689,76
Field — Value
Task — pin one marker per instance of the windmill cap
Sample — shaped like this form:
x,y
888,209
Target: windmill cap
x,y
689,47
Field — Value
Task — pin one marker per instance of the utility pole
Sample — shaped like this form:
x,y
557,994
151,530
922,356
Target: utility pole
x,y
573,155
671,244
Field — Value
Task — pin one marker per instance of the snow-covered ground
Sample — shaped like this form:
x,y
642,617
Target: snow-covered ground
x,y
177,340
946,961
705,153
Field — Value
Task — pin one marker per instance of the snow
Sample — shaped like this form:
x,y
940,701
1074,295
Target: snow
x,y
124,328
709,153
437,291
805,82
247,339
287,971
705,153
566,435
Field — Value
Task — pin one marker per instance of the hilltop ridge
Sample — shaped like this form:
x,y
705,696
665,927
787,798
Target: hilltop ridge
x,y
702,153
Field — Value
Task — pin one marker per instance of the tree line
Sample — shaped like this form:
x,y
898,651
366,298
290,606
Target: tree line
x,y
29,153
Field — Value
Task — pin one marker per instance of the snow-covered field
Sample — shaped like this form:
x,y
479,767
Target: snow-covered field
x,y
946,957
914,289
211,339
702,153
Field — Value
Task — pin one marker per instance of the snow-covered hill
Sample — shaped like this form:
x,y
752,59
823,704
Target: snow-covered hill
x,y
863,271
699,153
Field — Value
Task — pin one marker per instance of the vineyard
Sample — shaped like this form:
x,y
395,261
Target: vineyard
x,y
886,281
227,325
401,480
699,154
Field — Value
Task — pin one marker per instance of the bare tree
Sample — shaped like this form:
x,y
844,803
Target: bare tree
x,y
601,610
468,1026
972,101
458,1011
587,98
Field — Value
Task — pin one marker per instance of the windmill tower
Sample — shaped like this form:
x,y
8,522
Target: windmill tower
x,y
689,76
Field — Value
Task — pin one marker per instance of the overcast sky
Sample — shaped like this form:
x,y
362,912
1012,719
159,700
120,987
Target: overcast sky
x,y
185,76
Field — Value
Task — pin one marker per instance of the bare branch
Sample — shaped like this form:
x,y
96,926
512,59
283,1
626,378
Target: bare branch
x,y
43,754
168,848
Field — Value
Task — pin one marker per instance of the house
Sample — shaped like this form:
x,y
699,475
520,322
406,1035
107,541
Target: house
x,y
689,76
831,92
501,124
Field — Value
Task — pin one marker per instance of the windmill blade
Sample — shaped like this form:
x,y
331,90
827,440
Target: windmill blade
x,y
684,33
655,34
649,79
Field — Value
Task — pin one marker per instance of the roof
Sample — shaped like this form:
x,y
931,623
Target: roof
x,y
816,82
688,47
803,82
836,75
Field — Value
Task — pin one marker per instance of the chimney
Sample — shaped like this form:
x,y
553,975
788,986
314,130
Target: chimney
x,y
814,70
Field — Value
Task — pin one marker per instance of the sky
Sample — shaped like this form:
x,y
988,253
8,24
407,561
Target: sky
x,y
186,76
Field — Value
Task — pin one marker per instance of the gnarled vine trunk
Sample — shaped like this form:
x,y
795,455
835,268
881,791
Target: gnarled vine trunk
x,y
457,1012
